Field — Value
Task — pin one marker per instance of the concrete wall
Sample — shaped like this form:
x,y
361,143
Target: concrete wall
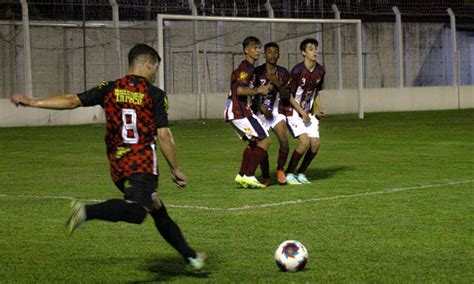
x,y
190,106
58,57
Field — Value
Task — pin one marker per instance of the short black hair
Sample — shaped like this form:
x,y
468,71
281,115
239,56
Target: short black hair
x,y
143,49
250,39
306,41
271,44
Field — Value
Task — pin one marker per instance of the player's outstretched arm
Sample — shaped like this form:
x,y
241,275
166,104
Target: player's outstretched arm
x,y
168,148
65,101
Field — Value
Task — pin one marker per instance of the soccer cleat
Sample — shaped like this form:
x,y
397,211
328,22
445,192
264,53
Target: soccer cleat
x,y
302,178
281,177
77,216
238,180
291,179
198,262
252,182
265,181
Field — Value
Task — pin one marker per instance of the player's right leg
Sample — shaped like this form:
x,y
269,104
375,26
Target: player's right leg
x,y
312,129
265,163
251,129
281,131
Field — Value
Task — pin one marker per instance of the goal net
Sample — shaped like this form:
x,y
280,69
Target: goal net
x,y
199,53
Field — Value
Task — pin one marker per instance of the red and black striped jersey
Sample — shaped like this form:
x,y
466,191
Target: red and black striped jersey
x,y
134,110
239,106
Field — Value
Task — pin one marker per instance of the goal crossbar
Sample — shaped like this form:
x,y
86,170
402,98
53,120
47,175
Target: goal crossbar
x,y
163,17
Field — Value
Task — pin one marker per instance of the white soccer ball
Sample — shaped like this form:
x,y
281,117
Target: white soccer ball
x,y
291,256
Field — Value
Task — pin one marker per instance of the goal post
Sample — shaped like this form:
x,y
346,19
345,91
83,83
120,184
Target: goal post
x,y
204,37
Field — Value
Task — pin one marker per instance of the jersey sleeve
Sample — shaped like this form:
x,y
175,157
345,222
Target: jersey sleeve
x,y
243,78
293,80
320,85
160,107
285,84
95,96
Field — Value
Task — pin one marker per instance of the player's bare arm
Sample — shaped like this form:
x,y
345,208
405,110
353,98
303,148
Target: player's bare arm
x,y
322,111
64,101
247,91
168,148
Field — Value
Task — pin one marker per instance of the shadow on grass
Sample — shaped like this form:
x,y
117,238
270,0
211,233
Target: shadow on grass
x,y
315,174
325,173
166,268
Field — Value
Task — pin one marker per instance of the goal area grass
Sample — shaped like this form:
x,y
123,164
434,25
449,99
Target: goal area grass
x,y
391,200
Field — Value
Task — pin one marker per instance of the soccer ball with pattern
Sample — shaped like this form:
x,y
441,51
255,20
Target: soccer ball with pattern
x,y
291,256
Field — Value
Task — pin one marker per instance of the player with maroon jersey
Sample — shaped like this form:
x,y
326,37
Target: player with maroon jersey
x,y
306,80
241,117
136,113
268,108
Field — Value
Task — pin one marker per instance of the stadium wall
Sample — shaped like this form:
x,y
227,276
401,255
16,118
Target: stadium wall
x,y
191,106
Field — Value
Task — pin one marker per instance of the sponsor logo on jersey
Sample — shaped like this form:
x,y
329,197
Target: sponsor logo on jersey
x,y
126,96
103,84
121,151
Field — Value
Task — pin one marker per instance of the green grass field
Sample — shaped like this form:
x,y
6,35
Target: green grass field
x,y
392,201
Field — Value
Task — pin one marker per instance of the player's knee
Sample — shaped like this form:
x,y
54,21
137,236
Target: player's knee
x,y
304,143
265,143
284,144
252,143
160,216
136,213
315,145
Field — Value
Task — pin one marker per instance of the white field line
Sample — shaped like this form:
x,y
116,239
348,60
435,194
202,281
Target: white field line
x,y
265,205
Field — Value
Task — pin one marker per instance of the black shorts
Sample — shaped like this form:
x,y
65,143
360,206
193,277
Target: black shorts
x,y
140,188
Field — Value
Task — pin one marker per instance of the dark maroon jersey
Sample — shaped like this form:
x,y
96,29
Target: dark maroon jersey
x,y
304,86
273,98
239,106
134,109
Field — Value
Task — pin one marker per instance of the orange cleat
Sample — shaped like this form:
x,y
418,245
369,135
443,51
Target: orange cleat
x,y
281,177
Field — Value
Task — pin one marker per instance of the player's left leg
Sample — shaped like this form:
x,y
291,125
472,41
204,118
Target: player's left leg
x,y
170,231
313,133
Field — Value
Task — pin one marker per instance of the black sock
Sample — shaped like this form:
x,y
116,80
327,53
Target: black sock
x,y
115,210
171,232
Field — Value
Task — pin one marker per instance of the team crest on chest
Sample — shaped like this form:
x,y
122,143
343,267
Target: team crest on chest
x,y
243,76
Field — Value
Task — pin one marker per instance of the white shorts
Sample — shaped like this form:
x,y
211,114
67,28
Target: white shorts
x,y
249,127
298,127
267,124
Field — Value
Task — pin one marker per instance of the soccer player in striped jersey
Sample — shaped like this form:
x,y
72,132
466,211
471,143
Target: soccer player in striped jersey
x,y
136,114
306,80
269,110
239,114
